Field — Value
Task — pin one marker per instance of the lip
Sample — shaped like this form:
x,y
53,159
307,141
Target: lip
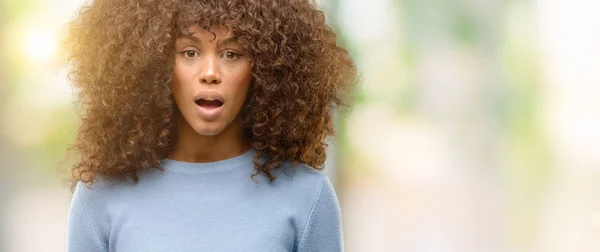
x,y
209,113
209,95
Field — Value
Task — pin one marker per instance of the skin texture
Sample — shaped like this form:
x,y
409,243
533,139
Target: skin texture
x,y
210,61
136,96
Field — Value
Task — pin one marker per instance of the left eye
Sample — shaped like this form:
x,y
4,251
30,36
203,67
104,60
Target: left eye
x,y
231,55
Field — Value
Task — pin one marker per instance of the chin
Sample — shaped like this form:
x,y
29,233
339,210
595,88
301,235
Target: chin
x,y
207,130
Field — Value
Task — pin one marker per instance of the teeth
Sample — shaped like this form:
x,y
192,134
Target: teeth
x,y
210,98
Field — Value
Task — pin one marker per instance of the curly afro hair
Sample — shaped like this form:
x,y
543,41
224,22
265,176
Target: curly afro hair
x,y
121,54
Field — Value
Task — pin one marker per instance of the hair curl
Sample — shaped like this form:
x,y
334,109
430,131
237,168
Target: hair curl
x,y
121,54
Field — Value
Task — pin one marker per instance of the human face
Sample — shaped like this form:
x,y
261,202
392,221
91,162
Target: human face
x,y
211,78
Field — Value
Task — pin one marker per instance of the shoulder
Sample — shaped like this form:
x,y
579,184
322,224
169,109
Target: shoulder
x,y
98,190
102,193
300,176
104,189
89,207
302,185
93,197
313,202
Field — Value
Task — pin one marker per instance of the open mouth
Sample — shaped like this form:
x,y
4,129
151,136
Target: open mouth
x,y
205,103
210,104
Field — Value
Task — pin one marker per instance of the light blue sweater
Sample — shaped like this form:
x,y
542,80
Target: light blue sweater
x,y
208,207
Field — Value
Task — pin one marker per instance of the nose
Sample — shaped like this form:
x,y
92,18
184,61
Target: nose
x,y
210,72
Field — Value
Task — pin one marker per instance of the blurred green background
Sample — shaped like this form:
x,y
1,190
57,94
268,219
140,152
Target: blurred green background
x,y
476,126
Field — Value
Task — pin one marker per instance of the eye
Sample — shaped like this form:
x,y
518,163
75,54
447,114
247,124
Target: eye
x,y
189,53
231,55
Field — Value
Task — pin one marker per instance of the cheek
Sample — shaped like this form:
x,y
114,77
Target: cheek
x,y
242,82
178,94
179,79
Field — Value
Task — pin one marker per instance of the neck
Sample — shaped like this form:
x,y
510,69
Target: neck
x,y
196,148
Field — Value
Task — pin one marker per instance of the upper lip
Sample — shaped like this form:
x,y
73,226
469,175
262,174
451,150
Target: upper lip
x,y
209,96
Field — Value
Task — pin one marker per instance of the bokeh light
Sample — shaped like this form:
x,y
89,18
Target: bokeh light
x,y
476,126
39,45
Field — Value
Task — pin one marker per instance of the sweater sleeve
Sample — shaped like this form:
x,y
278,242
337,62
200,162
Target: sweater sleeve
x,y
323,231
82,233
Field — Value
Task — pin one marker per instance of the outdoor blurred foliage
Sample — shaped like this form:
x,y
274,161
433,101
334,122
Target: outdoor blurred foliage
x,y
475,127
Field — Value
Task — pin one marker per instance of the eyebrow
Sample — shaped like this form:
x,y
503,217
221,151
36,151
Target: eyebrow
x,y
190,37
223,42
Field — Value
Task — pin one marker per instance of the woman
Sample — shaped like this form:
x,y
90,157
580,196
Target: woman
x,y
205,126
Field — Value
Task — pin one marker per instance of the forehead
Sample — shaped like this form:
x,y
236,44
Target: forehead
x,y
213,32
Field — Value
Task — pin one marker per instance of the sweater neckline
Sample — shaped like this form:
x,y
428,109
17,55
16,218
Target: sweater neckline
x,y
209,167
